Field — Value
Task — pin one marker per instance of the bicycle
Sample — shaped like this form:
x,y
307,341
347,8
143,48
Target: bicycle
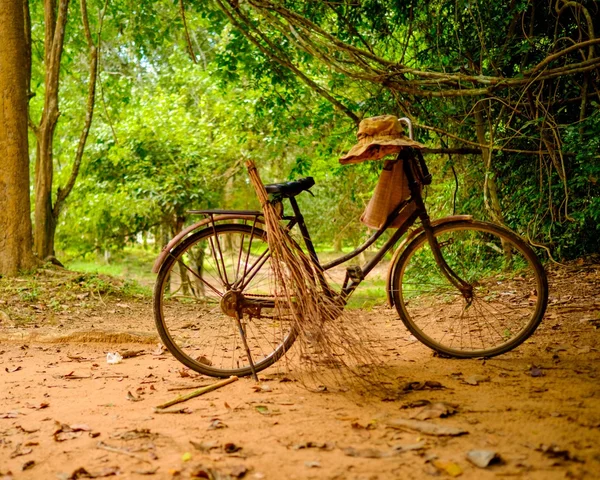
x,y
464,288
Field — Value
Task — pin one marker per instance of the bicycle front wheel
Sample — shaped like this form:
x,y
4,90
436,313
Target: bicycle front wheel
x,y
207,280
502,306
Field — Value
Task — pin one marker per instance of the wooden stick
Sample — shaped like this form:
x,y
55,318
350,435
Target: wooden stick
x,y
197,393
109,448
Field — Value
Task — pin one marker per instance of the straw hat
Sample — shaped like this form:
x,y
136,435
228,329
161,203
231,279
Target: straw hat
x,y
378,137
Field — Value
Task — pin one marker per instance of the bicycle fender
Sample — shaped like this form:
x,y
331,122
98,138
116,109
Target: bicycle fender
x,y
186,231
407,240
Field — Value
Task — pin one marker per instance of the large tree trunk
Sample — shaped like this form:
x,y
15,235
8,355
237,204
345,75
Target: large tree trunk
x,y
15,222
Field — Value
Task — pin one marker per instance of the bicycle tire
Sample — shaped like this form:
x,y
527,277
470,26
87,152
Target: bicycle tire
x,y
212,344
506,282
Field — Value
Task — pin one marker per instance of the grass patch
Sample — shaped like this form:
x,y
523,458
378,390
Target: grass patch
x,y
133,264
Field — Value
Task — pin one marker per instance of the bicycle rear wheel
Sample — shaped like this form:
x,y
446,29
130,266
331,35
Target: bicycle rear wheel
x,y
507,296
197,285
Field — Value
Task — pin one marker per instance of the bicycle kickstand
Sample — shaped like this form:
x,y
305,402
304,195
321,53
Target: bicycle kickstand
x,y
238,318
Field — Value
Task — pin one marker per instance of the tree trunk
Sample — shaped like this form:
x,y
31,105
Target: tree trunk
x,y
45,222
490,192
337,244
15,222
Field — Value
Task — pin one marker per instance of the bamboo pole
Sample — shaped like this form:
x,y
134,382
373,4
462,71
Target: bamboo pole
x,y
197,393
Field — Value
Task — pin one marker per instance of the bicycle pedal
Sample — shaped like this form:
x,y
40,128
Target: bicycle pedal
x,y
355,273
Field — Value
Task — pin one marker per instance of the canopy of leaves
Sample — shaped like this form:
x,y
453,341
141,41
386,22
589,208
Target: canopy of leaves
x,y
505,92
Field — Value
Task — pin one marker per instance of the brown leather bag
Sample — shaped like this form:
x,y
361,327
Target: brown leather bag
x,y
392,188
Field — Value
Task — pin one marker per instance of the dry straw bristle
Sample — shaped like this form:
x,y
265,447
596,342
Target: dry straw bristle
x,y
326,337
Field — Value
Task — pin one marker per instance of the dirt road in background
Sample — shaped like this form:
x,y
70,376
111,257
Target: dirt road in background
x,y
66,413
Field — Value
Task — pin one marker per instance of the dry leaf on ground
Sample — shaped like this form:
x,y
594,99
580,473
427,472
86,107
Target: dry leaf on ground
x,y
427,428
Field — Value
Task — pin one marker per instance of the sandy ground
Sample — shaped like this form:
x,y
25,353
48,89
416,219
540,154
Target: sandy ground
x,y
65,413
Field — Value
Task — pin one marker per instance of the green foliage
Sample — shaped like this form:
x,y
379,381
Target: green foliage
x,y
171,134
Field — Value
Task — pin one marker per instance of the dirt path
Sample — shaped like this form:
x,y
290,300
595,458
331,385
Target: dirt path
x,y
64,411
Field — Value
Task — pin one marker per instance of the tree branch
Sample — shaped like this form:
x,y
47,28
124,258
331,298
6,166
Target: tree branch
x,y
94,51
269,52
188,40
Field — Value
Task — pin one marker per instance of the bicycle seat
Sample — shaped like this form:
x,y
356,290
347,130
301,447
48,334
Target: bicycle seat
x,y
290,189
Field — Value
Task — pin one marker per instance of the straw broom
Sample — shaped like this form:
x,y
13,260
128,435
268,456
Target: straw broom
x,y
295,278
316,314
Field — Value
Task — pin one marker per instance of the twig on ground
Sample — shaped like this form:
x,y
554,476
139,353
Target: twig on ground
x,y
109,448
188,387
197,393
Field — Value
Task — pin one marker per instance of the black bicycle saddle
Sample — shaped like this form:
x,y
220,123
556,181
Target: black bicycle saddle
x,y
290,189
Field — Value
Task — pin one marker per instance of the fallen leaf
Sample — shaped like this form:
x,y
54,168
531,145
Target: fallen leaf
x,y
69,432
199,472
28,430
427,428
262,409
204,360
483,458
63,436
319,445
149,471
476,379
536,372
238,471
28,465
81,472
416,404
159,350
76,427
186,457
132,398
411,447
71,376
18,451
231,448
184,373
365,452
12,414
450,468
426,385
204,446
216,424
131,353
134,434
372,425
554,451
13,370
262,388
434,410
184,410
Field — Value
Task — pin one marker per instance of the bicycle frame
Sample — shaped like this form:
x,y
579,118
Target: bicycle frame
x,y
416,174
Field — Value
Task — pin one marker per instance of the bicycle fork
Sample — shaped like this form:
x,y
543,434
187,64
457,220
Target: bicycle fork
x,y
465,288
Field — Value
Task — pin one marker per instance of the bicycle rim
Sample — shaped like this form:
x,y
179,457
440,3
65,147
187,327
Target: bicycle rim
x,y
508,290
188,302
